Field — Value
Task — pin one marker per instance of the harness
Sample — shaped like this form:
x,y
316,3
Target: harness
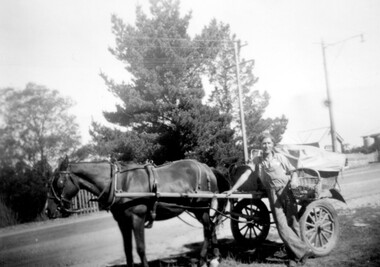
x,y
107,196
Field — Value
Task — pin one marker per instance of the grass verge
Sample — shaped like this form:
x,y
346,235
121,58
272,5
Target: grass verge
x,y
7,216
358,245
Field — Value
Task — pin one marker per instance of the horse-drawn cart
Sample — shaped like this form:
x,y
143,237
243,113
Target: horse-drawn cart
x,y
251,217
192,186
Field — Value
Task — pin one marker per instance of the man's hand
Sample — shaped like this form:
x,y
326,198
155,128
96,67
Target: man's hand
x,y
228,193
294,181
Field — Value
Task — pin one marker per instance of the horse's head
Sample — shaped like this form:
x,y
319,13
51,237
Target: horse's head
x,y
64,186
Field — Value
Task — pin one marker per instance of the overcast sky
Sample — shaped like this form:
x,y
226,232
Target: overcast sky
x,y
64,45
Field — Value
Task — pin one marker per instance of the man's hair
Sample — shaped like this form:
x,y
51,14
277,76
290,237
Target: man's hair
x,y
265,135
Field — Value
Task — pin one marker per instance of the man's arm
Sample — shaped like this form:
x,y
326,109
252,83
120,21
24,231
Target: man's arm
x,y
291,170
242,179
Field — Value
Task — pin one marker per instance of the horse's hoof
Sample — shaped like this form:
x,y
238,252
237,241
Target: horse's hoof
x,y
214,263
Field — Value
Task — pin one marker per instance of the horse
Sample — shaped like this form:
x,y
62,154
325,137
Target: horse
x,y
253,183
103,179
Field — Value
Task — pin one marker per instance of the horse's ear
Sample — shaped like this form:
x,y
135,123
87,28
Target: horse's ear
x,y
64,163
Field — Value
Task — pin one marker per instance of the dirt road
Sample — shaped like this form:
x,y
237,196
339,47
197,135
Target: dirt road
x,y
95,240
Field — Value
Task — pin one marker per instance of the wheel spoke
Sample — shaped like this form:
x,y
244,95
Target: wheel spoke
x,y
327,224
324,217
320,240
312,216
244,226
256,225
246,231
324,237
312,238
327,231
319,214
310,230
254,230
246,211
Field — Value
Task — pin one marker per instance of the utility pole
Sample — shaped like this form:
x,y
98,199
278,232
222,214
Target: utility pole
x,y
329,102
237,50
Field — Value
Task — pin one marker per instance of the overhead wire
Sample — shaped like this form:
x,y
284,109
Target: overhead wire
x,y
163,61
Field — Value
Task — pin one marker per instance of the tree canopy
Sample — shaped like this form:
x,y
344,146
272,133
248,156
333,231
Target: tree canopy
x,y
162,106
36,125
163,103
36,129
222,76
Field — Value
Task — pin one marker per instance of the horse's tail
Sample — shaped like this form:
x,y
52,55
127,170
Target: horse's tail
x,y
223,185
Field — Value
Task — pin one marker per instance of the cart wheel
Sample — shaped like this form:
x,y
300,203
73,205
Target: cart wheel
x,y
250,222
320,227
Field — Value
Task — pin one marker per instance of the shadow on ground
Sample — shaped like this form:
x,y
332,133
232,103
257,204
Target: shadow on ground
x,y
267,252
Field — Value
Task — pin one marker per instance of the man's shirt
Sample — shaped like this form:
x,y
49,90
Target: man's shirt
x,y
275,172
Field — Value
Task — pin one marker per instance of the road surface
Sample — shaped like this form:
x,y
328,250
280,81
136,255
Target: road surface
x,y
95,240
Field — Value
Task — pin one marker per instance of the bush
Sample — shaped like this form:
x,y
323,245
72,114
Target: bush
x,y
7,216
24,189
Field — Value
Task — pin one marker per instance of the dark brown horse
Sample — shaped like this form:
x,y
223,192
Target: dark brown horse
x,y
253,183
133,214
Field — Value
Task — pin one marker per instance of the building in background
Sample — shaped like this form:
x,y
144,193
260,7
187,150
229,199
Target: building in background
x,y
372,139
320,137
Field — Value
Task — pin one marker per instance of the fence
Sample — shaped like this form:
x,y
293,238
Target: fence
x,y
358,159
82,202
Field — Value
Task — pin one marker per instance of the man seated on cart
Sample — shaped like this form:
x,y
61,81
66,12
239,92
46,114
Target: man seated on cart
x,y
278,176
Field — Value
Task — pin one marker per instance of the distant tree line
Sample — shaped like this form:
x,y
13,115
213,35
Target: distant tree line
x,y
35,130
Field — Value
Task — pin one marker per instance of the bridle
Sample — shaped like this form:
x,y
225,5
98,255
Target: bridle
x,y
59,197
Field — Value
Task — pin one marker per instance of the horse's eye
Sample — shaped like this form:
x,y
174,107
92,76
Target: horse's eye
x,y
60,183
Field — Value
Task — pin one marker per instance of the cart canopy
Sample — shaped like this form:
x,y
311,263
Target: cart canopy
x,y
303,156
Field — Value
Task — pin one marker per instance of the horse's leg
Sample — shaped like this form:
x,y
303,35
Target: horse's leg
x,y
125,226
215,246
204,218
138,221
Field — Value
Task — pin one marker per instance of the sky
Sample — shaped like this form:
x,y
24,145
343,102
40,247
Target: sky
x,y
64,45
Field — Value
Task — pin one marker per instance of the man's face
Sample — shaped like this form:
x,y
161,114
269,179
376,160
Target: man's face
x,y
267,145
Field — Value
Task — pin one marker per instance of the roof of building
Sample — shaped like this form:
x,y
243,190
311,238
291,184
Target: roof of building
x,y
373,133
308,136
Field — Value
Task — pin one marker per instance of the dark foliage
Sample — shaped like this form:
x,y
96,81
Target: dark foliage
x,y
161,106
24,189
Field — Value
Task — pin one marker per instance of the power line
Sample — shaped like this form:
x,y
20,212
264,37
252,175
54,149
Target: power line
x,y
181,39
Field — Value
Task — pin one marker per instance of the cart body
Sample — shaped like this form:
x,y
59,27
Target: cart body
x,y
318,173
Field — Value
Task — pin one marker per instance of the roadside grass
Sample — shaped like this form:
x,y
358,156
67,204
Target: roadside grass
x,y
359,243
7,216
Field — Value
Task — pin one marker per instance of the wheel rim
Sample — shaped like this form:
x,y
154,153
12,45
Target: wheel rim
x,y
319,227
250,223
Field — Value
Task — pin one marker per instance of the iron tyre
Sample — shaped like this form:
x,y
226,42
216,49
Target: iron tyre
x,y
320,227
250,222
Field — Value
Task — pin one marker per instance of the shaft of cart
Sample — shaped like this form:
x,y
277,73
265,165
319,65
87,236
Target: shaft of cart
x,y
253,195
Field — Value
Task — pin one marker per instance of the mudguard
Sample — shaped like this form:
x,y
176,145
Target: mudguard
x,y
332,193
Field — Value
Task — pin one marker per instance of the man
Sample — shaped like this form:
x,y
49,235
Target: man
x,y
274,171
